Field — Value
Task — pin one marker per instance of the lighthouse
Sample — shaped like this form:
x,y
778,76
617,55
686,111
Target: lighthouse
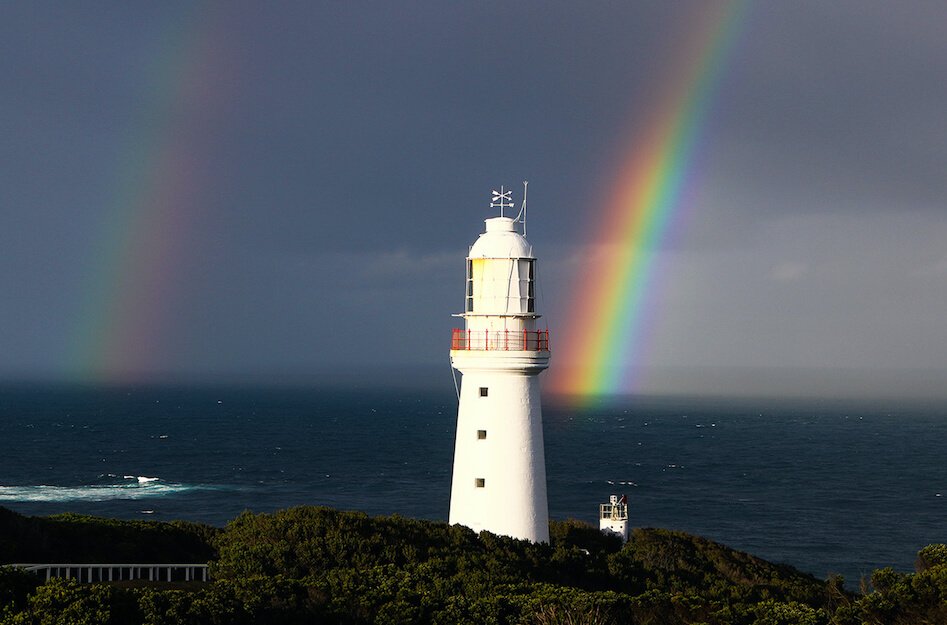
x,y
499,476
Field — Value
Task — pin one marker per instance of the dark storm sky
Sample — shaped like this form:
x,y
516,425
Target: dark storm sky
x,y
341,157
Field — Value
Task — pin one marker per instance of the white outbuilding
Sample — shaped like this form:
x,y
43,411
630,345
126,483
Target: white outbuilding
x,y
613,517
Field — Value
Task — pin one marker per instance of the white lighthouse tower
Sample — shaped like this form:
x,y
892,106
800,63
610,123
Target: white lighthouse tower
x,y
499,480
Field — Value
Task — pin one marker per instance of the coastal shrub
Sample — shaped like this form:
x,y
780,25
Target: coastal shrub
x,y
379,568
931,555
16,586
82,538
895,598
66,602
690,565
554,605
552,615
317,565
579,534
310,540
771,612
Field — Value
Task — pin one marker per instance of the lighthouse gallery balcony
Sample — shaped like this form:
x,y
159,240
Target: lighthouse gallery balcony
x,y
500,340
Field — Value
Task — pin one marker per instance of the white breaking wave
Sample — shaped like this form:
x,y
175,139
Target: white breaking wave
x,y
141,478
141,488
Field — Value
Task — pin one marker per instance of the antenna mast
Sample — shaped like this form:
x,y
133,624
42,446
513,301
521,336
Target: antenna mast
x,y
522,216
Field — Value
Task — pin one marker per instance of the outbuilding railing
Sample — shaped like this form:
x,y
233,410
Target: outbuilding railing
x,y
500,340
118,572
614,511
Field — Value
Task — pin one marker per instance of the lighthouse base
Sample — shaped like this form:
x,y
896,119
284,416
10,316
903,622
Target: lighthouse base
x,y
499,476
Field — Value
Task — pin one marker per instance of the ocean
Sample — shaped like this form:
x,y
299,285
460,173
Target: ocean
x,y
828,487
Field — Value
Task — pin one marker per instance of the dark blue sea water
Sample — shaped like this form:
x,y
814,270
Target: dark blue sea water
x,y
829,487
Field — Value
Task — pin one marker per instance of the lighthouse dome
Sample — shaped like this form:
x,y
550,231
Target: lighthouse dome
x,y
501,240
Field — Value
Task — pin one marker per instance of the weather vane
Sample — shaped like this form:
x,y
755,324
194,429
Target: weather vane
x,y
499,197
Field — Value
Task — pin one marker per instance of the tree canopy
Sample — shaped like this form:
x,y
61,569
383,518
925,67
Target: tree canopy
x,y
319,565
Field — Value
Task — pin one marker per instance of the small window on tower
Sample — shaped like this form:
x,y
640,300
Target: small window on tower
x,y
481,434
481,482
483,391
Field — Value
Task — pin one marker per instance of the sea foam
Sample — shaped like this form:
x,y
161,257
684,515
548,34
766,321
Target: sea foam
x,y
141,488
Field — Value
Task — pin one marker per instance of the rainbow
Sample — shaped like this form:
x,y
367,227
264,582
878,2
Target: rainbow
x,y
606,324
128,295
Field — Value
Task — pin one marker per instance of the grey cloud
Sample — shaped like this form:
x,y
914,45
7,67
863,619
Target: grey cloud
x,y
345,155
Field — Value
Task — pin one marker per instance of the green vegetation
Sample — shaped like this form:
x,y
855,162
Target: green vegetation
x,y
317,565
81,538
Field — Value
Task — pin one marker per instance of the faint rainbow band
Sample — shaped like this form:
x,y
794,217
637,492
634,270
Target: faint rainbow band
x,y
142,240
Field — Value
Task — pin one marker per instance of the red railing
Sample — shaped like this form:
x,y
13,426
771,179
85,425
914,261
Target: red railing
x,y
500,340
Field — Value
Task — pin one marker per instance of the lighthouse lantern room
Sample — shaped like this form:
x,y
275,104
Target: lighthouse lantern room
x,y
499,475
